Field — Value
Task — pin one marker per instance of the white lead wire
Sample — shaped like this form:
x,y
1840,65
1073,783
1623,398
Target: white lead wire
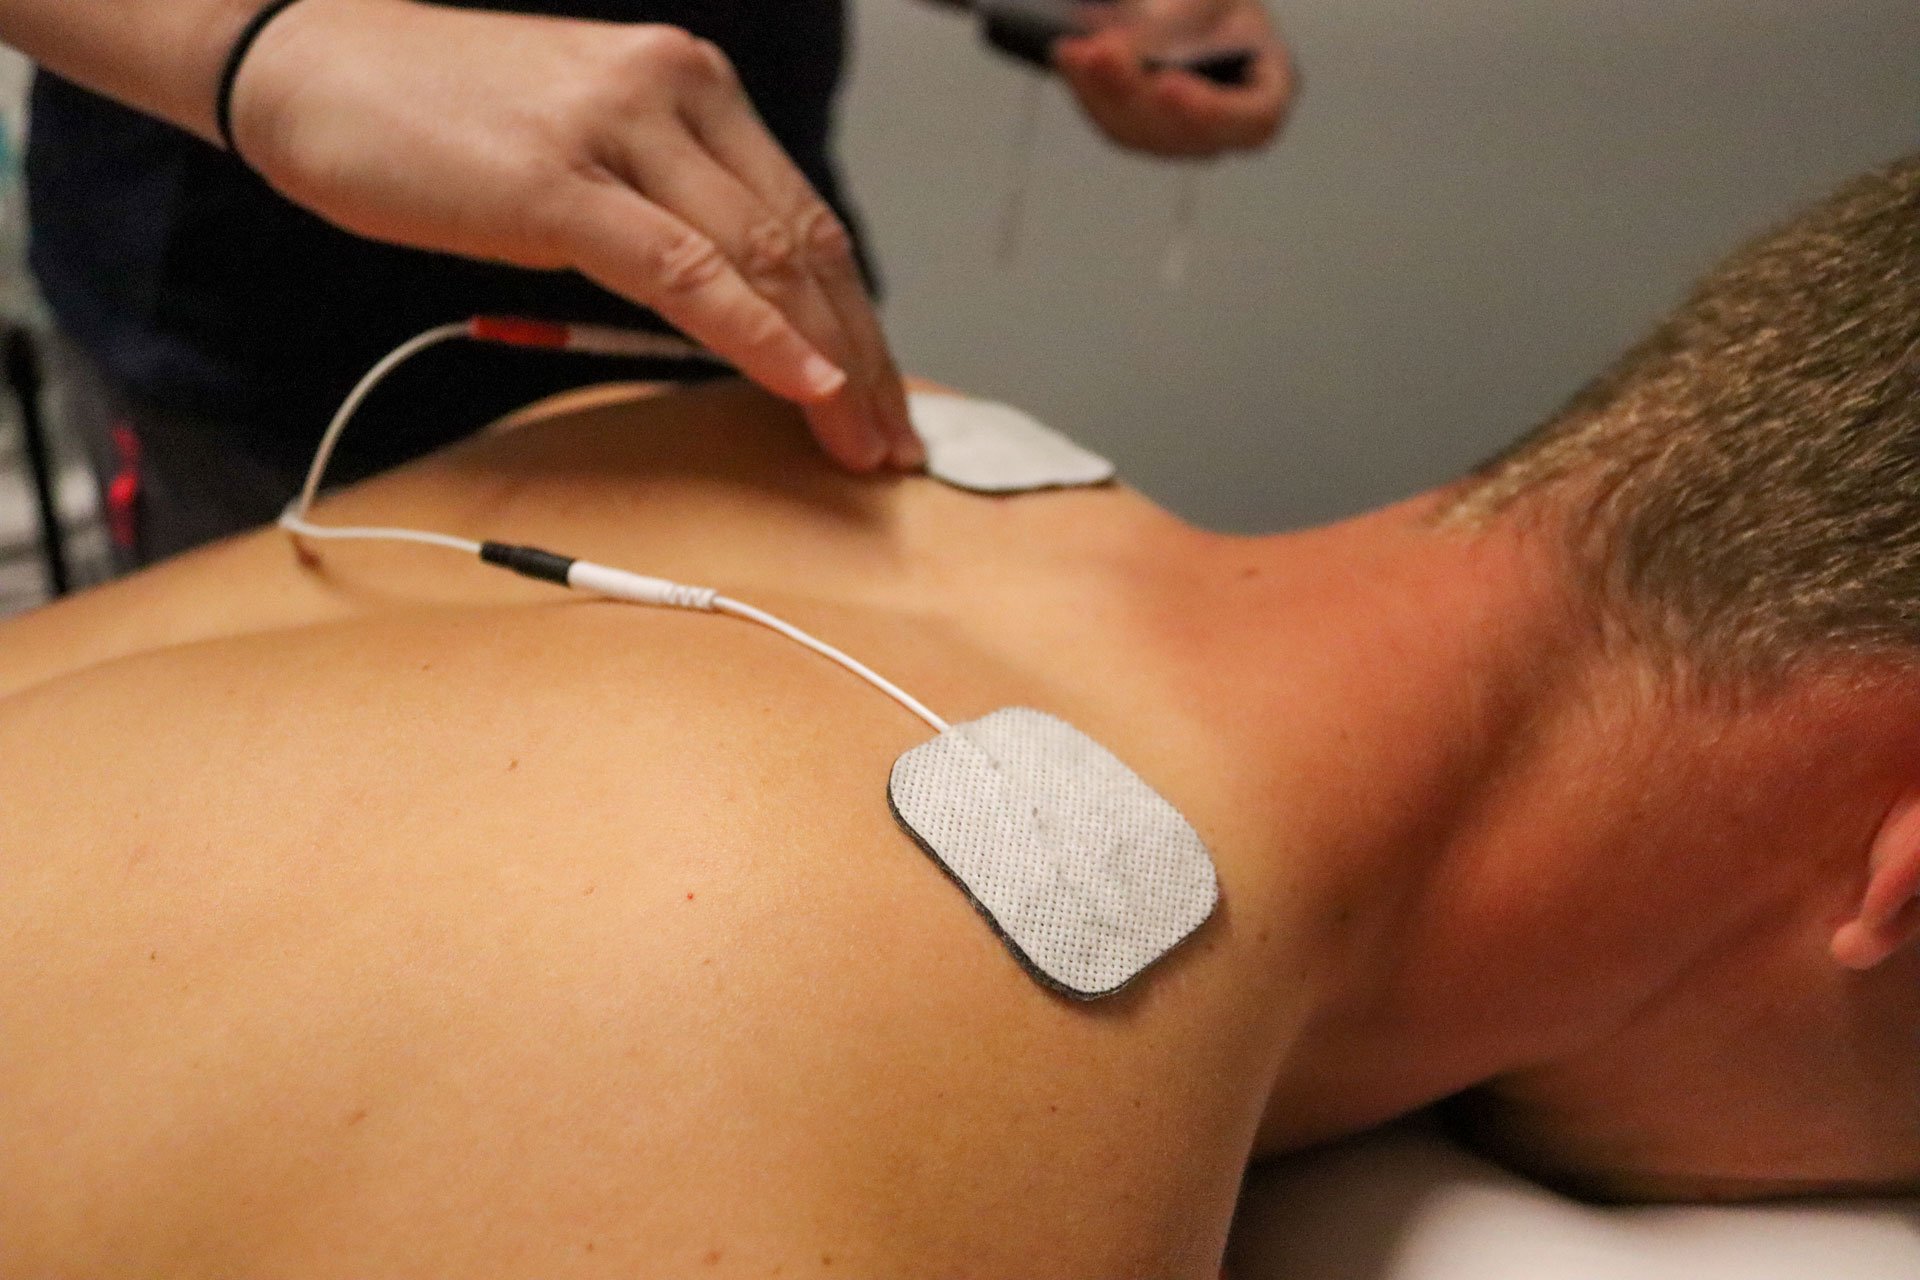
x,y
1186,195
293,523
351,405
722,604
668,594
1013,214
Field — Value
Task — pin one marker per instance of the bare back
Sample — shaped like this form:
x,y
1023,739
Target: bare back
x,y
390,916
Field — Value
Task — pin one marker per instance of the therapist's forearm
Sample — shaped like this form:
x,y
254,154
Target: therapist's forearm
x,y
163,57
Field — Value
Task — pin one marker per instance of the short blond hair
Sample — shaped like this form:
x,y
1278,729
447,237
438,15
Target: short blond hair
x,y
1742,488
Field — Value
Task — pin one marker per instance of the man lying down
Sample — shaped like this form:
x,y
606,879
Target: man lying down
x,y
380,914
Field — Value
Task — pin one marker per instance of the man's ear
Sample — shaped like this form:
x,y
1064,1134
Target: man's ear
x,y
1887,915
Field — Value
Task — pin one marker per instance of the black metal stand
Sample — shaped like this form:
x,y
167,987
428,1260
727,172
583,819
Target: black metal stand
x,y
22,362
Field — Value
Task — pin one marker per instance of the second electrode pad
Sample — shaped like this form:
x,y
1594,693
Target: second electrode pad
x,y
1086,871
995,448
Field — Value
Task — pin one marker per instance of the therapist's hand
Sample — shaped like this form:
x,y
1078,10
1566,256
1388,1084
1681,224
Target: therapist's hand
x,y
629,153
1171,112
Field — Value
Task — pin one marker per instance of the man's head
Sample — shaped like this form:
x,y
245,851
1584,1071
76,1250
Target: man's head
x,y
1742,489
1737,506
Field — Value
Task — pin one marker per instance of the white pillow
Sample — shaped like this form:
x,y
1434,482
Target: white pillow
x,y
1407,1204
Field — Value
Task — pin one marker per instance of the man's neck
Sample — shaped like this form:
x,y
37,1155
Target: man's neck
x,y
1536,860
1401,683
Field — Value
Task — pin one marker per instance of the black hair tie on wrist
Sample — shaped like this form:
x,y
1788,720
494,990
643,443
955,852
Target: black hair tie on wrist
x,y
242,46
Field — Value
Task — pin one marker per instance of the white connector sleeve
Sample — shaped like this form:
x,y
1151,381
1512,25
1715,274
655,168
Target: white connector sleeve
x,y
585,575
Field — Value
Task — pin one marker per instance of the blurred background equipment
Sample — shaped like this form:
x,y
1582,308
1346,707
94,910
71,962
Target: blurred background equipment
x,y
50,536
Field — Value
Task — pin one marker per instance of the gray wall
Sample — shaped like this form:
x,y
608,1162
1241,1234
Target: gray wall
x,y
1477,203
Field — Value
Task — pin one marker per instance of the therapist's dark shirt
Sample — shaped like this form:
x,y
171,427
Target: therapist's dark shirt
x,y
203,293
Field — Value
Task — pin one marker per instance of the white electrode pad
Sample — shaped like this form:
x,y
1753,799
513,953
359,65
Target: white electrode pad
x,y
1086,872
995,448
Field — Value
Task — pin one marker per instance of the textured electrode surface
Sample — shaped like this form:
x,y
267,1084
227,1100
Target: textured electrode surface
x,y
1085,871
995,448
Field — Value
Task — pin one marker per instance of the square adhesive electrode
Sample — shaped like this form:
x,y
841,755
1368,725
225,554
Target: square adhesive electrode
x,y
1085,871
986,447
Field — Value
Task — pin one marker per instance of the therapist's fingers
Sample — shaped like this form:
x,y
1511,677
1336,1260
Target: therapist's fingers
x,y
628,244
1171,112
887,393
1107,78
766,249
876,401
876,394
1240,117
